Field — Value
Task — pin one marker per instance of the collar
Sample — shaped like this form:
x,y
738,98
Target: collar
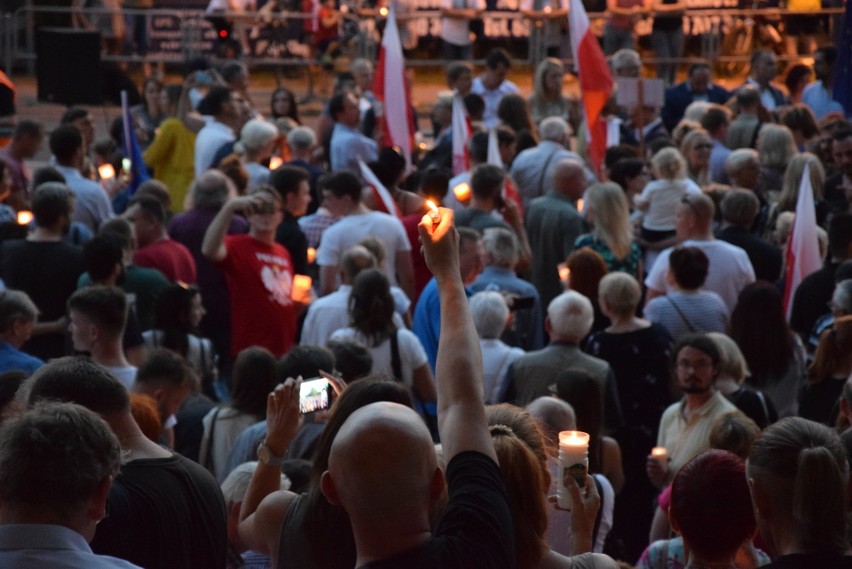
x,y
705,409
41,536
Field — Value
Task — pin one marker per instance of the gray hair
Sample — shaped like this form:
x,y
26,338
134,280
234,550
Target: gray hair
x,y
841,299
553,415
490,312
571,315
16,306
555,129
211,190
256,134
740,159
502,245
302,138
236,484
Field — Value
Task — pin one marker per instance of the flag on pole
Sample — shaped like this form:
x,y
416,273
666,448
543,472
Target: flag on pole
x,y
132,150
461,129
381,193
843,66
389,87
595,79
802,253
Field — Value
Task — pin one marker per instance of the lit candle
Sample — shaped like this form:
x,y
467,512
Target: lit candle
x,y
662,456
383,11
301,287
106,171
126,164
462,192
275,162
564,272
25,217
580,205
434,213
547,9
573,460
312,255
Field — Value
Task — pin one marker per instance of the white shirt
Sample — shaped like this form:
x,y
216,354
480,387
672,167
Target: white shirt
x,y
457,30
496,359
331,313
729,272
492,98
125,374
662,197
411,353
213,136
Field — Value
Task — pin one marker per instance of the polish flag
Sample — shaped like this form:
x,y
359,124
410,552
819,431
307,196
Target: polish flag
x,y
595,80
389,87
381,193
802,253
510,191
461,131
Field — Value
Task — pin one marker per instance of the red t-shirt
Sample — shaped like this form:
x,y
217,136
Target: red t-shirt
x,y
259,278
170,258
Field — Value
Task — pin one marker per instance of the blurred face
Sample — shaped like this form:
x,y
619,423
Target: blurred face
x,y
765,69
636,184
196,311
143,227
493,78
267,219
281,104
841,151
169,400
334,205
822,70
5,184
699,81
364,78
152,96
698,154
695,371
298,201
86,125
351,114
463,83
553,81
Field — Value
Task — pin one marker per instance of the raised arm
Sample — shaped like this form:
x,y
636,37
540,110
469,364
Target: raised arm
x,y
213,246
461,411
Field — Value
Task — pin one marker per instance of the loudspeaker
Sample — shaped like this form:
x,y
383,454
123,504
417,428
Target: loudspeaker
x,y
68,66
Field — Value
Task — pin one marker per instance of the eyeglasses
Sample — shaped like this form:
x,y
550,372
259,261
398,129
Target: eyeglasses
x,y
694,366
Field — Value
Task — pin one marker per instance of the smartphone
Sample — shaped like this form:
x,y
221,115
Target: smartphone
x,y
314,395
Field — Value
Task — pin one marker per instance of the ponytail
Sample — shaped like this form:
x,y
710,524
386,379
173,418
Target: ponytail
x,y
819,514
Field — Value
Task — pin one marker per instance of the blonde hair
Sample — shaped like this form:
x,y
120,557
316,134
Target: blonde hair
x,y
776,146
670,164
611,217
539,89
793,179
620,292
732,363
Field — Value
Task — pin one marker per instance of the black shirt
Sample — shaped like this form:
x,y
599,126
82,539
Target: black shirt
x,y
811,561
475,529
290,235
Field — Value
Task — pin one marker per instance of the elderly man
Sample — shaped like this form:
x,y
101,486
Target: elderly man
x,y
764,68
685,426
569,320
57,463
553,225
533,168
730,269
739,210
697,87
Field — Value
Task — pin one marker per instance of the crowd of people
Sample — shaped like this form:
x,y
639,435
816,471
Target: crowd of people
x,y
155,335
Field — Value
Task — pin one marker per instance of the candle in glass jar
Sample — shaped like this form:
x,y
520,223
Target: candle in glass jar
x,y
662,456
462,192
580,205
301,287
574,461
564,272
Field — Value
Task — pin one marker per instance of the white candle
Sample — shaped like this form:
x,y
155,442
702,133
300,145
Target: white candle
x,y
580,205
662,456
573,460
301,287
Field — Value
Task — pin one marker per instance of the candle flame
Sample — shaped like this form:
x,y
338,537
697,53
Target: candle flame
x,y
574,438
25,217
580,205
126,164
432,206
301,287
659,451
312,255
462,192
275,162
383,11
106,171
564,272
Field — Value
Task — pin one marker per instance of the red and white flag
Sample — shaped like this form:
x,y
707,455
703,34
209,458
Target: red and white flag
x,y
803,244
389,87
461,131
595,80
380,192
510,191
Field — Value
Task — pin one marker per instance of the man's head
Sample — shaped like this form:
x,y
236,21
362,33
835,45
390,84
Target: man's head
x,y
53,207
362,72
459,77
341,192
716,121
66,144
695,360
486,183
841,151
840,237
18,314
302,140
478,146
497,64
77,379
764,66
344,108
471,254
743,168
351,359
374,484
167,378
739,208
263,221
82,120
555,129
219,103
236,75
293,183
824,59
569,317
748,99
569,179
306,361
27,138
98,315
148,217
211,190
353,261
57,462
699,78
694,216
490,314
104,259
688,267
501,248
626,63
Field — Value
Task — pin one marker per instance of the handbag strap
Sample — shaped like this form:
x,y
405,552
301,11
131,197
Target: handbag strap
x,y
682,315
540,184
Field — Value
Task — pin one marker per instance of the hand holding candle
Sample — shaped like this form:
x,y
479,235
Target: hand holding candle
x,y
661,455
574,461
312,255
301,289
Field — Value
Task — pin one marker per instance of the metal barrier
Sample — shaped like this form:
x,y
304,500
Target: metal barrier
x,y
17,34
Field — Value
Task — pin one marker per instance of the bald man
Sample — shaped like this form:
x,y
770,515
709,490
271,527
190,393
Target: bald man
x,y
390,495
553,224
730,269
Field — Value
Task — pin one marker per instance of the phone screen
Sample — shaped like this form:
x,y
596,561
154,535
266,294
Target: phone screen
x,y
314,395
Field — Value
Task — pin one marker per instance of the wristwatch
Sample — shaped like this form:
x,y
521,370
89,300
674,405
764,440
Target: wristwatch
x,y
266,457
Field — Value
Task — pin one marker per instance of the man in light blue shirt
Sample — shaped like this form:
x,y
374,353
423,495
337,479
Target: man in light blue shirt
x,y
347,144
818,95
57,463
18,316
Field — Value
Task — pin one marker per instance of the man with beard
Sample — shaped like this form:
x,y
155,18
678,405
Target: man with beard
x,y
685,425
45,267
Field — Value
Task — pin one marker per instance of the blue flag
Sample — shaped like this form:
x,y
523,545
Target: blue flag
x,y
843,65
138,171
